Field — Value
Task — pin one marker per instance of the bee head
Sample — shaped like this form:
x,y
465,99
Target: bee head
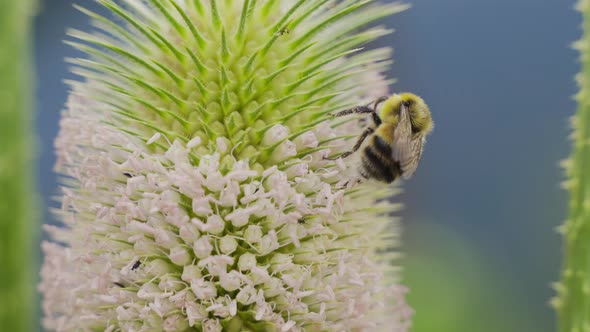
x,y
418,111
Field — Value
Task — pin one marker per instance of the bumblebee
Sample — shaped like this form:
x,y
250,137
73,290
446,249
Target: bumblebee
x,y
396,140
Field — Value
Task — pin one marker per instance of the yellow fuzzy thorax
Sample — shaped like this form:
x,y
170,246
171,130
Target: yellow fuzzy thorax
x,y
419,112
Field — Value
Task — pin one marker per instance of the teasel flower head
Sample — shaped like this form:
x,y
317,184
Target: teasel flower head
x,y
195,191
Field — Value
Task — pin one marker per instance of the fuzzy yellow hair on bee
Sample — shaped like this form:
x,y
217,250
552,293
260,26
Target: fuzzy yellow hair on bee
x,y
396,141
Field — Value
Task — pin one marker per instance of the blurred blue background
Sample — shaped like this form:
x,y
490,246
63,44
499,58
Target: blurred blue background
x,y
479,240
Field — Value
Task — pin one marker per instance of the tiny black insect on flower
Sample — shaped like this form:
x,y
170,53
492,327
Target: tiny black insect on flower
x,y
284,31
135,265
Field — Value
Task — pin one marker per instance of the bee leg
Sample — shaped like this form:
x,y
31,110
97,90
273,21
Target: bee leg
x,y
376,118
355,110
358,144
364,110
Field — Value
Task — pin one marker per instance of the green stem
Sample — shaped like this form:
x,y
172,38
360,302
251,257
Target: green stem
x,y
18,226
573,300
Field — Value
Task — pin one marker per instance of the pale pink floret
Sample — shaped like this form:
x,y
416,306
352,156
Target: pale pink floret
x,y
91,280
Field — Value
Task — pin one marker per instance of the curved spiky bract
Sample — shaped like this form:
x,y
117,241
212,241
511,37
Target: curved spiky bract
x,y
197,196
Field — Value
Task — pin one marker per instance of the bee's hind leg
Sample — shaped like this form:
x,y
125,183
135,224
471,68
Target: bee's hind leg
x,y
357,145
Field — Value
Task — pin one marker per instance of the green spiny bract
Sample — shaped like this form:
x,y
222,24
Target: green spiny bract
x,y
229,70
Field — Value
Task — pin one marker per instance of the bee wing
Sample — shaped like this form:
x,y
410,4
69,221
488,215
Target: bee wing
x,y
406,149
409,165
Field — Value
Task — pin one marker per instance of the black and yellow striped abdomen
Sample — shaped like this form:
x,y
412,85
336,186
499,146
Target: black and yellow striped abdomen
x,y
377,162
